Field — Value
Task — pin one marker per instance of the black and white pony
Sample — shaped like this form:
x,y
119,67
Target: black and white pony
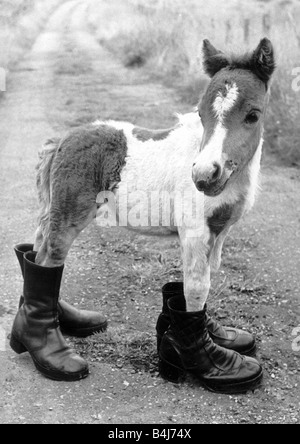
x,y
207,165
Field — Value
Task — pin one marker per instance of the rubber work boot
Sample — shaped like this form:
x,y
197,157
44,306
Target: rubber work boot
x,y
73,322
36,327
230,338
188,348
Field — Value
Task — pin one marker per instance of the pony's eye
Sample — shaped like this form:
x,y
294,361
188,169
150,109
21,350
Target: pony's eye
x,y
252,118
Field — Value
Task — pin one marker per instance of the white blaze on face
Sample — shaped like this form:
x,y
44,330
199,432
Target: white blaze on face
x,y
223,104
213,151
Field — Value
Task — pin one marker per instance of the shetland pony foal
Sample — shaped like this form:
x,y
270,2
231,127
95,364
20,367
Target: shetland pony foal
x,y
215,156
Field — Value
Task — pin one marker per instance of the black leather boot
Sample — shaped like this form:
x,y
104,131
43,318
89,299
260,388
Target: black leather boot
x,y
170,290
230,338
36,327
73,322
188,348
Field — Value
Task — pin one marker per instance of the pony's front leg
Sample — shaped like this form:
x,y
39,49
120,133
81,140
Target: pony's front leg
x,y
215,257
55,240
196,268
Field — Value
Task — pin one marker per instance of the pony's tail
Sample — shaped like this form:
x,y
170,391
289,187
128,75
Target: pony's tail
x,y
46,155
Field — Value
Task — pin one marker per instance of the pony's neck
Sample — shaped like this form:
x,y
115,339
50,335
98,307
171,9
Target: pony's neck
x,y
186,137
254,174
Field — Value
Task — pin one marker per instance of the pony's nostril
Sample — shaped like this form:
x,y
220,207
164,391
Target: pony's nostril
x,y
208,178
217,173
201,185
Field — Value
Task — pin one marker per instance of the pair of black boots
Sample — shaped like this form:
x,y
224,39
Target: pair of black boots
x,y
195,343
187,342
42,319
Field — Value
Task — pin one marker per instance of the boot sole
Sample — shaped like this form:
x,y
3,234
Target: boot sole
x,y
241,388
84,333
177,375
19,348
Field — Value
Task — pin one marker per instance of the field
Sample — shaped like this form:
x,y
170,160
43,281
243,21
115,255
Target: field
x,y
165,37
20,23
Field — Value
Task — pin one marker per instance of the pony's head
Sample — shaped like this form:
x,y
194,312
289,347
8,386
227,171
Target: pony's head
x,y
232,111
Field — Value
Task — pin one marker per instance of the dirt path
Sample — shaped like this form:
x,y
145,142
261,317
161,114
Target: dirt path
x,y
67,79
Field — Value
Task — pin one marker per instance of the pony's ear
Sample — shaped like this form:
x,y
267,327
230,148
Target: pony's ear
x,y
264,60
213,59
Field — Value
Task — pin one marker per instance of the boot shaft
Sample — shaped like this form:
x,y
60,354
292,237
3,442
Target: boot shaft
x,y
170,290
188,336
41,287
183,322
188,332
20,250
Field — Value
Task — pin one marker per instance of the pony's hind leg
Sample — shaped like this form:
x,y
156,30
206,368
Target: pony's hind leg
x,y
87,161
70,209
38,239
59,239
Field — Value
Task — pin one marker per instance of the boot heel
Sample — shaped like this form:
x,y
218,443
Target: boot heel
x,y
17,346
170,372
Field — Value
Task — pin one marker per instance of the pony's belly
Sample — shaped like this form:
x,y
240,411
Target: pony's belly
x,y
155,195
154,231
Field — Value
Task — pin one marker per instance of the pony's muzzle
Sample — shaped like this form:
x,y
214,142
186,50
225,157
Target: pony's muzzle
x,y
207,178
